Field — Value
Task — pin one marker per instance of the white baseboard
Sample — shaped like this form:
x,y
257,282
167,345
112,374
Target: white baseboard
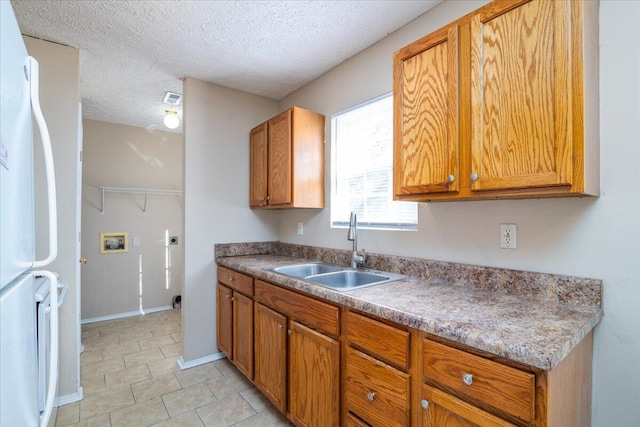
x,y
127,314
69,398
200,361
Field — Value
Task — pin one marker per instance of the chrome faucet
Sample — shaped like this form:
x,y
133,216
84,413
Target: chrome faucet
x,y
352,234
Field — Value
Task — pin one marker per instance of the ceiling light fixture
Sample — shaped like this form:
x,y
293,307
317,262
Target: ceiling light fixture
x,y
171,119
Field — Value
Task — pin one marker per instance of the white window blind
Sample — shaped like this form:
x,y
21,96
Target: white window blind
x,y
363,169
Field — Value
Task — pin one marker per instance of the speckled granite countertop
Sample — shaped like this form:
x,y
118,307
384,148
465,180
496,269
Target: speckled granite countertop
x,y
527,329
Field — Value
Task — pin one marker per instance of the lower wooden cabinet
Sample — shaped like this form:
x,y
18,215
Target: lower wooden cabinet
x,y
314,377
271,355
375,391
225,320
235,328
325,366
441,409
243,334
292,356
502,387
353,421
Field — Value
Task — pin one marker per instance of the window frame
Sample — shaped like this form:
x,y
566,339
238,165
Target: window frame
x,y
390,226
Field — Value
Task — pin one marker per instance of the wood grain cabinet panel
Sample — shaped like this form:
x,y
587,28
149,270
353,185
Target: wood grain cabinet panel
x,y
314,377
224,324
237,281
258,174
314,313
234,316
376,392
353,421
502,103
279,160
503,387
287,161
426,141
385,342
243,334
271,355
520,106
441,409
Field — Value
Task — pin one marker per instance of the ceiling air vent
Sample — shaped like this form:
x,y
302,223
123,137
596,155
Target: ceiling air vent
x,y
172,98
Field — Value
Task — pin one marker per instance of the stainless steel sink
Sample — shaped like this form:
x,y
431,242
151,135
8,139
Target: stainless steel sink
x,y
353,279
308,269
336,277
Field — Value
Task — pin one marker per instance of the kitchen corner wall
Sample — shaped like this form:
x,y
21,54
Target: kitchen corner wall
x,y
589,237
148,275
59,99
217,121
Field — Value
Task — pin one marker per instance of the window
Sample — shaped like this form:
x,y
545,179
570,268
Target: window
x,y
362,180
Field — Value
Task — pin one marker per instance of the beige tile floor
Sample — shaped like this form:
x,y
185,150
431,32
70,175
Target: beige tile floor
x,y
130,377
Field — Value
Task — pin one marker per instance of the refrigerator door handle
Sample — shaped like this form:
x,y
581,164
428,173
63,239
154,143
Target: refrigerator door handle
x,y
53,354
48,162
64,288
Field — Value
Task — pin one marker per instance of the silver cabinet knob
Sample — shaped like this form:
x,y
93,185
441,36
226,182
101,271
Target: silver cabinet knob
x,y
233,298
227,296
280,326
231,278
467,379
474,176
451,178
371,395
425,404
289,331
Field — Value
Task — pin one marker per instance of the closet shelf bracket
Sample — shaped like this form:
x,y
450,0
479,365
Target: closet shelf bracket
x,y
145,191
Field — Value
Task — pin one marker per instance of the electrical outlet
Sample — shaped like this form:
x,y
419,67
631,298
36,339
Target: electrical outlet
x,y
508,236
300,228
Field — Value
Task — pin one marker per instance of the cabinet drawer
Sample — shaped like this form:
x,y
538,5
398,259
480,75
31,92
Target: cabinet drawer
x,y
376,392
385,342
353,421
316,314
441,409
238,281
503,387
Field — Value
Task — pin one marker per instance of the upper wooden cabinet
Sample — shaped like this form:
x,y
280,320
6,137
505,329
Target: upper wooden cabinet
x,y
287,161
502,103
426,145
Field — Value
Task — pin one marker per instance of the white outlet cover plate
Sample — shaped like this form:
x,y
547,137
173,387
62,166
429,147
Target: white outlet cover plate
x,y
508,236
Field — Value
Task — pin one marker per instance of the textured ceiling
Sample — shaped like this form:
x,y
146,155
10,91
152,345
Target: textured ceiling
x,y
132,52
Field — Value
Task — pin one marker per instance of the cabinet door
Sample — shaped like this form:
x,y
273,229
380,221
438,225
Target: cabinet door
x,y
426,115
314,377
441,409
271,355
258,143
243,334
521,106
280,162
224,320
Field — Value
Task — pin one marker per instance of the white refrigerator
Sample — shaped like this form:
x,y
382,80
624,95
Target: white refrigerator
x,y
20,402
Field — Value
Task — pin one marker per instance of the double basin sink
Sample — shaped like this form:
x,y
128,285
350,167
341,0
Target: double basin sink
x,y
336,277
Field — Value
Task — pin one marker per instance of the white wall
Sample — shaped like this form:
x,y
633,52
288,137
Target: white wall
x,y
59,99
126,156
591,237
216,206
